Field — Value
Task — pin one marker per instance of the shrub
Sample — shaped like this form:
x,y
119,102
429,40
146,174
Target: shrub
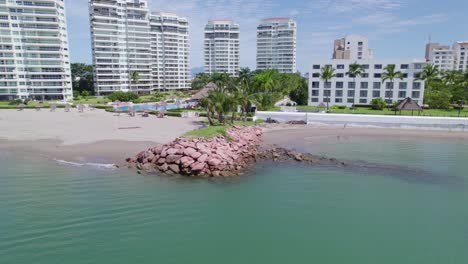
x,y
15,102
123,96
378,104
85,93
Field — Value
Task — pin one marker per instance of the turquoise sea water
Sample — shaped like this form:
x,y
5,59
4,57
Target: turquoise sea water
x,y
278,213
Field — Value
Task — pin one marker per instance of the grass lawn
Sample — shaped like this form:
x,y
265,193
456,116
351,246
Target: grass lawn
x,y
217,129
368,110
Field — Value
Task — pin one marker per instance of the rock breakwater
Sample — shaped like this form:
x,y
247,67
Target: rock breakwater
x,y
204,157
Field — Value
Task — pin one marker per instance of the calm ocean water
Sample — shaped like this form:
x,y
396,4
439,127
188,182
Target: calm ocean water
x,y
288,213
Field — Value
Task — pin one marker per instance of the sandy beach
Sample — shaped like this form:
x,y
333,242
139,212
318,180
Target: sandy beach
x,y
92,136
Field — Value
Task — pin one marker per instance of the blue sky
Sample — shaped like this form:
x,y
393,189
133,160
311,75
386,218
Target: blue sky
x,y
396,28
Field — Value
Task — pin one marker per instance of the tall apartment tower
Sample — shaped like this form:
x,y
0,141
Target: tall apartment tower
x,y
460,50
170,51
276,44
34,57
441,56
120,35
352,47
221,47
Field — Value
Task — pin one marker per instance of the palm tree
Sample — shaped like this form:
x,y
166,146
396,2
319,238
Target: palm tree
x,y
327,73
391,74
452,76
429,74
134,77
355,70
206,103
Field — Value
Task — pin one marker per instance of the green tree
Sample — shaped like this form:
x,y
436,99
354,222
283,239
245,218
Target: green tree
x,y
356,70
134,78
378,103
429,74
82,77
200,80
327,73
391,74
300,95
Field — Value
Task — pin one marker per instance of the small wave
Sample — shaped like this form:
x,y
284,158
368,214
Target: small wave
x,y
86,164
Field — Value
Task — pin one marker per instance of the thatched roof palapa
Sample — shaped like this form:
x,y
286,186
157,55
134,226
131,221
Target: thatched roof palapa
x,y
204,92
408,104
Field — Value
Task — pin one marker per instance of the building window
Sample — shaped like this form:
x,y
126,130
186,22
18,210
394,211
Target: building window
x,y
315,92
338,100
326,100
365,66
418,66
364,85
351,93
315,85
401,94
403,85
339,75
316,75
378,66
405,75
376,85
338,93
316,67
388,94
314,100
377,75
404,66
416,85
389,85
328,85
339,85
375,94
360,43
351,100
415,94
340,66
351,85
365,75
326,92
363,94
363,101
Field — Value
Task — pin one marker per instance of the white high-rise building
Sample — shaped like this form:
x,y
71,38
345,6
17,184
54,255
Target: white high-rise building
x,y
276,44
221,47
344,90
448,58
34,56
120,35
441,56
460,50
170,51
352,47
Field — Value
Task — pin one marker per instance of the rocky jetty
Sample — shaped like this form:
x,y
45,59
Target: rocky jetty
x,y
224,156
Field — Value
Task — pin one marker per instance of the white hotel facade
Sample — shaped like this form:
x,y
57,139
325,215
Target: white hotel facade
x,y
34,56
222,47
446,57
276,44
342,90
126,38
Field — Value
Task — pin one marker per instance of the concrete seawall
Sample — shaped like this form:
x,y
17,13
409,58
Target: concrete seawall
x,y
383,121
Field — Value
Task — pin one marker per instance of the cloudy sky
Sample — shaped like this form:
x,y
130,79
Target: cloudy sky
x,y
396,28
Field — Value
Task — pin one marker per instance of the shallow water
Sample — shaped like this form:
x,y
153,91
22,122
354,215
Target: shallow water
x,y
279,213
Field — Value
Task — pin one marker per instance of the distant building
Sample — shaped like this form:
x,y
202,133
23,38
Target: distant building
x,y
342,90
446,57
276,44
35,61
170,51
222,47
352,47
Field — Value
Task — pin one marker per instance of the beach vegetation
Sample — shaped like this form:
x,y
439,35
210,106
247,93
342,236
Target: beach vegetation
x,y
356,70
82,78
327,73
391,74
378,104
123,96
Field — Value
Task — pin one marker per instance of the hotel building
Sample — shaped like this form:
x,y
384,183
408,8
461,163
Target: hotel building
x,y
352,47
222,47
34,56
170,51
448,58
342,90
276,44
120,34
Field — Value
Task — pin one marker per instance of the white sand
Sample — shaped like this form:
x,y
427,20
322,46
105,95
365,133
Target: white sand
x,y
91,126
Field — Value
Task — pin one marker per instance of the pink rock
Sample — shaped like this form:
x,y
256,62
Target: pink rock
x,y
164,167
189,151
214,162
203,158
195,155
171,151
186,161
198,166
173,158
175,168
163,153
161,161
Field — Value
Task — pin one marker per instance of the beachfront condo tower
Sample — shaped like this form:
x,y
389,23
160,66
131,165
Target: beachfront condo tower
x,y
170,51
352,47
34,57
446,57
221,47
120,36
276,44
346,90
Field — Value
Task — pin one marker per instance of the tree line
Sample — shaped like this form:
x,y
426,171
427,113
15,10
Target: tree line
x,y
260,88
